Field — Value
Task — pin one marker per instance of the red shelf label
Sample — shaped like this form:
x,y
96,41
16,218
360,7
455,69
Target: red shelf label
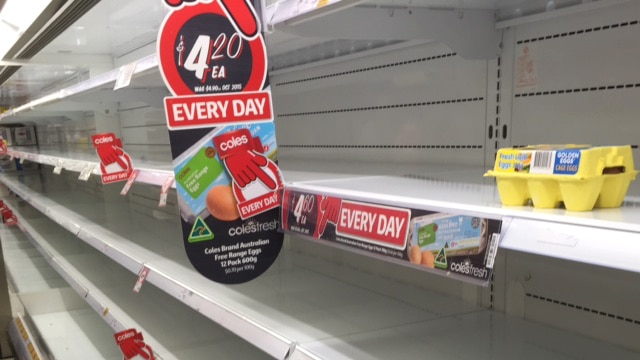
x,y
387,226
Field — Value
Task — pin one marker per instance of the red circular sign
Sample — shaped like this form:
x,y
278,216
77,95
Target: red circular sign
x,y
181,23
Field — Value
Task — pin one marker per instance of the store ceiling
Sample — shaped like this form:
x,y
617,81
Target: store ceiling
x,y
114,28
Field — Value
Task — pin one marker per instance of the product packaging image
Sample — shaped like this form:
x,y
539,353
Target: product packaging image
x,y
460,235
580,176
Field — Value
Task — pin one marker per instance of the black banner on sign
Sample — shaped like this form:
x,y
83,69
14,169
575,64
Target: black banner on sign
x,y
223,143
448,244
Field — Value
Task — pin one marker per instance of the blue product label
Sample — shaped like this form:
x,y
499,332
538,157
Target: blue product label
x,y
567,162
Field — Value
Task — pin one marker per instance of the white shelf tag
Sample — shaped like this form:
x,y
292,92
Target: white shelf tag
x,y
86,172
492,250
22,160
124,76
142,276
164,191
130,182
58,168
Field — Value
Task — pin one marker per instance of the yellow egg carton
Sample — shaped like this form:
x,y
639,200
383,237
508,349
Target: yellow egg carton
x,y
581,176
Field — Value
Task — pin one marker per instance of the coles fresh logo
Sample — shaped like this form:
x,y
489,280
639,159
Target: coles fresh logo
x,y
467,268
383,225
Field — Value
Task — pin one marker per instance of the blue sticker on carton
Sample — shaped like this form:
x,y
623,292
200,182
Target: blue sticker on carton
x,y
567,162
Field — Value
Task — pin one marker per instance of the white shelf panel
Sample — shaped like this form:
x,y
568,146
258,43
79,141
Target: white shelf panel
x,y
73,335
151,172
107,288
439,188
326,309
106,80
69,331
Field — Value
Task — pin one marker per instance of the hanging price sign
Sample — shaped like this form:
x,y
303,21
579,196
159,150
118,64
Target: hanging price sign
x,y
220,118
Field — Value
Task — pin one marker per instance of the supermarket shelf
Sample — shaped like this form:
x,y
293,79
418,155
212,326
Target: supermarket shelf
x,y
106,81
441,188
319,309
150,172
107,289
66,325
575,236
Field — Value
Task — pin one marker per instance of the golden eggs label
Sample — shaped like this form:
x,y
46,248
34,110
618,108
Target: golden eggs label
x,y
220,119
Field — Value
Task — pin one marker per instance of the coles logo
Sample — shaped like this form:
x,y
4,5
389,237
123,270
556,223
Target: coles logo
x,y
103,140
233,142
126,335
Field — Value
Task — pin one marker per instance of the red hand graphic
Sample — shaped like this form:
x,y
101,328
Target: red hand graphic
x,y
246,167
132,344
242,16
243,163
109,149
240,12
177,2
330,208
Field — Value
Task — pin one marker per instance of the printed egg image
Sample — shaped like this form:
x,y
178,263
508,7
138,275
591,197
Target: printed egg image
x,y
427,259
415,254
222,204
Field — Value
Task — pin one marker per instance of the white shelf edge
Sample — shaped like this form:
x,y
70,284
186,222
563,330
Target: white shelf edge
x,y
142,65
573,243
493,211
20,343
263,338
291,11
530,227
149,176
98,301
571,10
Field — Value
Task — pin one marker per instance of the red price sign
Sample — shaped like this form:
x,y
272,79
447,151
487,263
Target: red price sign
x,y
300,212
202,51
213,60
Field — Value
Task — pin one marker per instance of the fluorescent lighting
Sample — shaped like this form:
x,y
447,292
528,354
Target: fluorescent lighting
x,y
16,16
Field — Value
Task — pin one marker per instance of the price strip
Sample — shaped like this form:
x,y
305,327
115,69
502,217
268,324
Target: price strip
x,y
130,182
86,172
164,191
125,73
447,244
58,168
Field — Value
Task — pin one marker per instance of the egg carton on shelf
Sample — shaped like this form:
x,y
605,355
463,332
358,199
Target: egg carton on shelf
x,y
580,176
